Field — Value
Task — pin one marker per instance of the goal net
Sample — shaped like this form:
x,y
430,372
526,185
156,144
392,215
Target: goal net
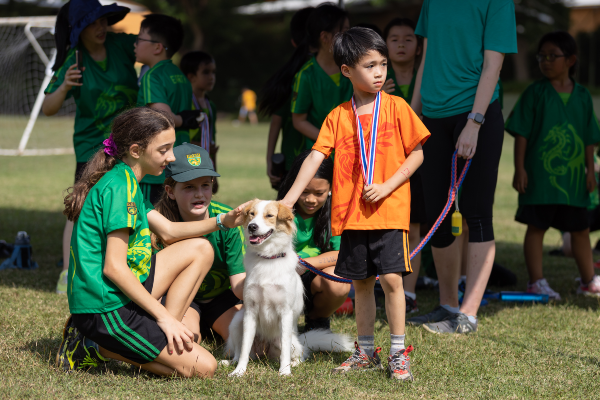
x,y
26,60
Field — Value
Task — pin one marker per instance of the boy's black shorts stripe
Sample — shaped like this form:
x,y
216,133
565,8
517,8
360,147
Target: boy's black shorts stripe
x,y
128,331
373,252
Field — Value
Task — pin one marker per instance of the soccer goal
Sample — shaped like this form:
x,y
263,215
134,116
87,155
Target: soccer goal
x,y
26,58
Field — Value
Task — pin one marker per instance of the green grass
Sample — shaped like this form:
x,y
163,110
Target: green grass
x,y
520,351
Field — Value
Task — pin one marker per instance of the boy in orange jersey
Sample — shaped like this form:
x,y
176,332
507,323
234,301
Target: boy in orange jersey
x,y
370,207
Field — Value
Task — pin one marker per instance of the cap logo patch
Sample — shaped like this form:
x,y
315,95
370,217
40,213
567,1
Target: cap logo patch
x,y
194,159
131,208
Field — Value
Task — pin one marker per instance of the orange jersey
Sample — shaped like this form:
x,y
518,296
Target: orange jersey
x,y
400,130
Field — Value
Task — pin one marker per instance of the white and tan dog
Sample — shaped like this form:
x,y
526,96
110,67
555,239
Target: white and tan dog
x,y
273,296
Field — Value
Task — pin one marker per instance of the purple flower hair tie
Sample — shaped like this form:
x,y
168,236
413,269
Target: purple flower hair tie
x,y
110,148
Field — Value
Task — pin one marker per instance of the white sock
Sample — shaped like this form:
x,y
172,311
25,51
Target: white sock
x,y
472,319
411,295
366,344
453,310
397,343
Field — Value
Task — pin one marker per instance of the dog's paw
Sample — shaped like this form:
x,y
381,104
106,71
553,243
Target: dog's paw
x,y
226,363
285,371
296,362
237,373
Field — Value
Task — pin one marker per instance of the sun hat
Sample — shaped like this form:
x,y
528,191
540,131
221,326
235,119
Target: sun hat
x,y
84,12
191,162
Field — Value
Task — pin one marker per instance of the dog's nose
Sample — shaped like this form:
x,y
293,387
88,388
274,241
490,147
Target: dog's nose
x,y
252,227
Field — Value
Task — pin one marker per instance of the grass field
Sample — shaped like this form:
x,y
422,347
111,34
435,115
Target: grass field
x,y
520,351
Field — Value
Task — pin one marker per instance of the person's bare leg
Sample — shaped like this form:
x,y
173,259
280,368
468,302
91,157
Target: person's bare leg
x,y
328,296
221,325
533,247
464,239
582,251
253,118
479,267
395,304
364,296
180,269
414,238
191,319
66,244
154,367
447,266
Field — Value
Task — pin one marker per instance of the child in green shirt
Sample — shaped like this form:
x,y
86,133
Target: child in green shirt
x,y
164,86
555,130
188,197
315,244
115,281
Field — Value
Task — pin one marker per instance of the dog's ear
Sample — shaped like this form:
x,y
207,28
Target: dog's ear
x,y
284,213
249,206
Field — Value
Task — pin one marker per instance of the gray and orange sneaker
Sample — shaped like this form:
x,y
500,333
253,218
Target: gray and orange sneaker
x,y
399,365
359,361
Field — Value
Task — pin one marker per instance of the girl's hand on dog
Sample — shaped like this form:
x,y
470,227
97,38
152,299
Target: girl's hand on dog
x,y
375,192
179,337
236,216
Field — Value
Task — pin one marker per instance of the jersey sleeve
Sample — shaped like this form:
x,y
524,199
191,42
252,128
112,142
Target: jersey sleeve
x,y
412,129
423,20
301,94
592,133
118,207
152,90
334,243
59,76
234,251
521,118
326,140
149,206
500,32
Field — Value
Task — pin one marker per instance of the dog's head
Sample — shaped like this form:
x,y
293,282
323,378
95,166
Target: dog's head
x,y
269,222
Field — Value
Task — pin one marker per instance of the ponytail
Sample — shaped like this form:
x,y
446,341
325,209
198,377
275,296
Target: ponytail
x,y
134,126
62,32
168,208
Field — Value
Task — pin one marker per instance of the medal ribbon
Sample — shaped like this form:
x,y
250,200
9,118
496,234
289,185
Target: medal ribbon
x,y
205,138
367,159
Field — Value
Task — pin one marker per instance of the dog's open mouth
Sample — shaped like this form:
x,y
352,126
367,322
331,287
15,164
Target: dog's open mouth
x,y
255,239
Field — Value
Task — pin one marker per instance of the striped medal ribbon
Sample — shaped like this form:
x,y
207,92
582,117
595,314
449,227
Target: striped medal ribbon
x,y
204,127
367,159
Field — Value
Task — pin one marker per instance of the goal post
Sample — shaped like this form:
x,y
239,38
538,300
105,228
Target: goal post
x,y
28,53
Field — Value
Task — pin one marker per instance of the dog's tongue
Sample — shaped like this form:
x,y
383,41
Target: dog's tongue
x,y
254,239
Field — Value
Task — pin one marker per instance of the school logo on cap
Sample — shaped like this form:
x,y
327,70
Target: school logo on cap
x,y
131,208
194,159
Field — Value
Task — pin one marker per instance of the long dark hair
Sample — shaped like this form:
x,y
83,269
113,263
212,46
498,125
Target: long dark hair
x,y
62,33
134,126
565,42
322,230
306,25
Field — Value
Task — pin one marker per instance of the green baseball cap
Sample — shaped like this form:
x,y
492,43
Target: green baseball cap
x,y
191,162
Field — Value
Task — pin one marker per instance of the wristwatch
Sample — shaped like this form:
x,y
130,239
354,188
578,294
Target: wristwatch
x,y
220,223
479,119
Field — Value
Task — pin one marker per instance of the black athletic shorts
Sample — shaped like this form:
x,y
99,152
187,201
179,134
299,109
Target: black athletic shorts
x,y
152,192
79,170
562,217
211,311
375,252
128,331
417,199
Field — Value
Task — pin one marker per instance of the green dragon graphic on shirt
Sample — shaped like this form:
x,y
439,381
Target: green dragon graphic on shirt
x,y
563,153
139,253
110,101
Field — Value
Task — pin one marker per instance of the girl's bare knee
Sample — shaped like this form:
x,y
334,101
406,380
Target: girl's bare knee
x,y
203,248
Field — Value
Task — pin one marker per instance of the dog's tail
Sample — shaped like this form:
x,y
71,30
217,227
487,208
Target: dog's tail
x,y
325,340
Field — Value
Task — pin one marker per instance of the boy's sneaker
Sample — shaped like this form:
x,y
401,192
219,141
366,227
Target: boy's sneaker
x,y
399,365
411,305
61,285
438,314
541,287
591,289
77,352
456,323
359,361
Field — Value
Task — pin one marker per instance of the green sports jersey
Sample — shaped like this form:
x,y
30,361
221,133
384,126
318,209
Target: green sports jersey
x,y
106,91
292,141
315,93
557,135
115,202
212,123
165,83
305,242
454,62
229,249
401,91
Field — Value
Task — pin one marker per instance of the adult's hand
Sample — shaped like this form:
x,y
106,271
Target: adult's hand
x,y
467,141
71,78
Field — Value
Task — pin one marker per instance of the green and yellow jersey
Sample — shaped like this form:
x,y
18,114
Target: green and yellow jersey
x,y
109,86
305,243
212,122
115,202
404,91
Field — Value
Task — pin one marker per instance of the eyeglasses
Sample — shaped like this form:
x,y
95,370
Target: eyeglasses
x,y
148,40
548,57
